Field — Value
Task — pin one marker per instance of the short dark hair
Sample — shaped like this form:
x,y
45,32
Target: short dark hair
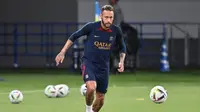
x,y
107,8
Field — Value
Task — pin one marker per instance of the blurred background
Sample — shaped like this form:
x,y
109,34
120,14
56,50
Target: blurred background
x,y
163,48
160,34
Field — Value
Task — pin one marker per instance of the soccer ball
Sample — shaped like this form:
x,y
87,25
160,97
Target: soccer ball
x,y
50,91
83,89
158,94
62,90
16,97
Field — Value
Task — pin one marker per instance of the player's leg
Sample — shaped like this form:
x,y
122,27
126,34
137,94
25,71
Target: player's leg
x,y
99,101
89,79
91,87
102,85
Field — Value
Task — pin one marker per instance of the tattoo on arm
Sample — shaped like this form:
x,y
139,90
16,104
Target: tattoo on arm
x,y
122,57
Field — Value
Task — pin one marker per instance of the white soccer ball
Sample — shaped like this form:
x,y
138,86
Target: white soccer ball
x,y
50,91
62,90
158,94
16,97
83,89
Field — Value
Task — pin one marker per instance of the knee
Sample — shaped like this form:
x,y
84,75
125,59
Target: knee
x,y
91,87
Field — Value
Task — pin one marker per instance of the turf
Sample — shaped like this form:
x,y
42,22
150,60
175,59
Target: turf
x,y
127,92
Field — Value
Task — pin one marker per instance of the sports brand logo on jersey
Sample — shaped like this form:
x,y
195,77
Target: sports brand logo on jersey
x,y
102,45
96,36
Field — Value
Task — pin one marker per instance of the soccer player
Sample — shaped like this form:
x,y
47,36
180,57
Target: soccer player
x,y
101,37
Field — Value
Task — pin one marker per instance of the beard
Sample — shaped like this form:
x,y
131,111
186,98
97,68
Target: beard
x,y
107,25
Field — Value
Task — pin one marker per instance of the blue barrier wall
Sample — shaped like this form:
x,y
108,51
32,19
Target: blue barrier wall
x,y
36,44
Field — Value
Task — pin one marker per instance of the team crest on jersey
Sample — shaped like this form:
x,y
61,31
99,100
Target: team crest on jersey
x,y
111,38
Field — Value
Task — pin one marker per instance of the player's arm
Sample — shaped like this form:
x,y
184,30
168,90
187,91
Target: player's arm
x,y
122,57
81,32
122,49
122,46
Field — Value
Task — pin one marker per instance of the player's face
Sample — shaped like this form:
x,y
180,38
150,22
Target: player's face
x,y
107,18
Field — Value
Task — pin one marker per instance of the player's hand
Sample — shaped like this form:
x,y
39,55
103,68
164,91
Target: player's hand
x,y
121,67
59,58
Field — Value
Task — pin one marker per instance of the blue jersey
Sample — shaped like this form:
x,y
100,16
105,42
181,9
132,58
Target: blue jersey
x,y
99,43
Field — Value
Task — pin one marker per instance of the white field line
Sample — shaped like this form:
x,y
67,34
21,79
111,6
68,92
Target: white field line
x,y
38,91
112,87
26,91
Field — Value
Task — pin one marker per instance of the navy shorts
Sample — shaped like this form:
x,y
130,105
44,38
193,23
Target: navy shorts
x,y
101,76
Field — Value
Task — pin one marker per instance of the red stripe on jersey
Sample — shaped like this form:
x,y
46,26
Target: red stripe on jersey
x,y
108,30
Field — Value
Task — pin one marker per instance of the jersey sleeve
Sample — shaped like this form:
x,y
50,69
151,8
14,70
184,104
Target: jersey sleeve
x,y
120,41
85,30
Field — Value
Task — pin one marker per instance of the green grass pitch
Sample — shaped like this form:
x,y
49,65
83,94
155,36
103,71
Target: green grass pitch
x,y
126,92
